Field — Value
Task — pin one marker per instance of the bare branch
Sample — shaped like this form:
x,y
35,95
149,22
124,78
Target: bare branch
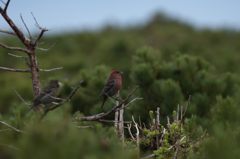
x,y
30,36
24,57
56,98
18,32
113,121
137,134
3,2
42,30
129,130
48,48
158,119
152,155
6,6
176,143
53,69
179,129
75,114
14,48
21,98
13,70
5,130
10,146
59,104
7,32
129,103
83,127
19,131
97,117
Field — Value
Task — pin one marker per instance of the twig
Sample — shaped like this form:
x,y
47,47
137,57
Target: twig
x,y
129,103
96,117
152,155
168,124
10,146
129,130
53,69
7,32
176,143
42,30
177,113
83,127
197,143
158,118
30,36
179,129
48,48
14,48
161,140
24,57
181,111
19,131
113,121
75,114
21,98
3,2
140,124
5,9
56,98
5,130
137,134
13,70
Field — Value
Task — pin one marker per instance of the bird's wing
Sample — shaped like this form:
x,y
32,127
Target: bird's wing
x,y
46,90
110,83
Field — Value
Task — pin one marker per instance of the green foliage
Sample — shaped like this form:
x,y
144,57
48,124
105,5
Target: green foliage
x,y
159,140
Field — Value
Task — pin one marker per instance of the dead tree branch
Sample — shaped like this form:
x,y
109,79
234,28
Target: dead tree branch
x,y
19,131
42,30
24,57
137,98
30,36
48,48
53,69
97,117
84,127
10,146
7,32
14,48
6,6
21,98
14,70
179,130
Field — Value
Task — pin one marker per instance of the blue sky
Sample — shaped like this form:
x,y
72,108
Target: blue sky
x,y
70,15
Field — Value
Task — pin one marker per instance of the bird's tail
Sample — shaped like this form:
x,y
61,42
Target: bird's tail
x,y
104,100
34,104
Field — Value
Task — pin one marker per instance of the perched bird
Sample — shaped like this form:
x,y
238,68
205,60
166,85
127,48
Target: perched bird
x,y
52,89
112,85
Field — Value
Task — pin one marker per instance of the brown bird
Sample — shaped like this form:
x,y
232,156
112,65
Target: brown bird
x,y
52,89
112,85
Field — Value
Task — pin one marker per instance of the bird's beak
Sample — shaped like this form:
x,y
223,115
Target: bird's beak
x,y
120,73
61,85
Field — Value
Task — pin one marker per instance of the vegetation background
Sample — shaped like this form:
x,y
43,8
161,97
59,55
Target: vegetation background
x,y
167,58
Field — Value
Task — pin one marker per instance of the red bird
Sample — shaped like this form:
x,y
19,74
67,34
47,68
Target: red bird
x,y
112,85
